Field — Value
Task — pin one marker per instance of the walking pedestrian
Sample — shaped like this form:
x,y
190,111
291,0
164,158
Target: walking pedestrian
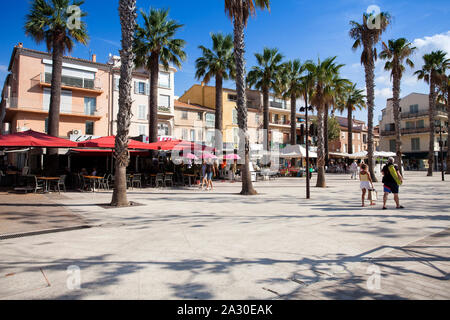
x,y
210,171
392,179
204,176
366,183
354,169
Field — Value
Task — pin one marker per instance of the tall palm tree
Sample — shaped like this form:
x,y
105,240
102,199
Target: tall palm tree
x,y
239,11
445,97
338,86
264,77
52,22
433,73
291,88
351,100
366,35
219,63
323,73
154,45
397,52
128,16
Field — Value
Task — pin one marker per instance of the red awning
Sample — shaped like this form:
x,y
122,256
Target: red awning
x,y
110,142
32,138
103,152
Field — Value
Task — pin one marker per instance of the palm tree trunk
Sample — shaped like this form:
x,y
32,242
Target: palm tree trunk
x,y
51,163
127,12
448,129
325,133
432,102
350,129
321,183
396,106
266,119
293,120
153,97
370,86
219,107
239,48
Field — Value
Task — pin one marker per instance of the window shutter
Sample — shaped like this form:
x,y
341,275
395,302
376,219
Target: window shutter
x,y
147,89
136,87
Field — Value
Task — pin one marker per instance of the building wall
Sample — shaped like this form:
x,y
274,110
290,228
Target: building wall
x,y
26,108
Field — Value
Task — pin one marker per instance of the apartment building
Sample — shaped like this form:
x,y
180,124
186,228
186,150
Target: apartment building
x,y
279,113
194,123
140,96
415,129
359,136
85,101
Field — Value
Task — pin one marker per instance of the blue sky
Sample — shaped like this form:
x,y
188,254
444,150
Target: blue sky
x,y
298,28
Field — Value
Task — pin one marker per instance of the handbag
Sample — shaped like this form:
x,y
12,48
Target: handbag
x,y
372,195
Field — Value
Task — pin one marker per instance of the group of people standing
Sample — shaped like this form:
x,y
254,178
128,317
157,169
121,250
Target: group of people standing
x,y
392,179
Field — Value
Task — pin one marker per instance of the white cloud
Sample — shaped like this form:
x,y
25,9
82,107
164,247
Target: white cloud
x,y
384,93
3,68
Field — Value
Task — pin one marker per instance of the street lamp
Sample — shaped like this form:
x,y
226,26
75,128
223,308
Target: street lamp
x,y
441,131
308,174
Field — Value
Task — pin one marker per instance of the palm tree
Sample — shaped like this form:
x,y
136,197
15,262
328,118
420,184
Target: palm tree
x,y
154,45
323,74
52,22
291,87
217,62
366,35
264,77
445,96
397,52
239,11
351,100
433,73
338,86
128,16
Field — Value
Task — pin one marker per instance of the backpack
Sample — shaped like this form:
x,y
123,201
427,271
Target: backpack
x,y
394,175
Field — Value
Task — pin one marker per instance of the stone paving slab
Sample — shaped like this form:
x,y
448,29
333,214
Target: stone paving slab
x,y
23,213
419,271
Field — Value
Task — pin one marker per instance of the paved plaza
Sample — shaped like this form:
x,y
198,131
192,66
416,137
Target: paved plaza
x,y
192,244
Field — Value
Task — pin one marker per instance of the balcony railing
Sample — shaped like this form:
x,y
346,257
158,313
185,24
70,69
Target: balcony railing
x,y
164,109
277,105
409,115
73,82
405,131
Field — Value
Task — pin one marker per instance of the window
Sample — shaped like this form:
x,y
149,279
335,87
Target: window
x,y
420,124
236,135
184,134
235,116
164,103
141,88
415,144
364,138
163,129
232,97
66,101
199,116
257,118
90,106
200,135
414,108
142,130
184,115
284,119
116,83
210,120
46,125
276,118
89,128
410,125
142,112
392,145
192,136
164,79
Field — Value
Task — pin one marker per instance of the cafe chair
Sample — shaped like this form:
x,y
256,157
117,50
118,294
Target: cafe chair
x,y
159,180
61,182
136,180
38,185
168,178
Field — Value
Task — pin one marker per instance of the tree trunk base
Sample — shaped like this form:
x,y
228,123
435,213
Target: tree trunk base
x,y
248,193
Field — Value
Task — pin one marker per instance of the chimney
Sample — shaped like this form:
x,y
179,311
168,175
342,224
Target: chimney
x,y
94,58
20,45
189,101
203,83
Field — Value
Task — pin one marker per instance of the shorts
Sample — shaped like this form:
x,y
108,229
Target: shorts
x,y
365,185
209,176
391,188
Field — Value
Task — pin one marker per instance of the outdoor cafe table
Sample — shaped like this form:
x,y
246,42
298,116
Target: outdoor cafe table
x,y
94,179
190,176
46,181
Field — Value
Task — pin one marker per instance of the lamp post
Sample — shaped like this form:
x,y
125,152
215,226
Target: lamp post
x,y
440,131
308,174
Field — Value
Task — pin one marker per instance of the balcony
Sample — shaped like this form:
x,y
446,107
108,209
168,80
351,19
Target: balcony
x,y
277,105
72,83
405,131
421,114
164,109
